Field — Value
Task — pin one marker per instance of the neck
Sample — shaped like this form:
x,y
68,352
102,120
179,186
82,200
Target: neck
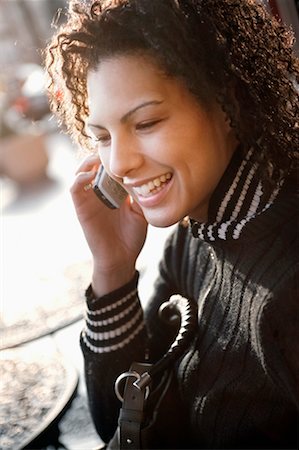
x,y
239,198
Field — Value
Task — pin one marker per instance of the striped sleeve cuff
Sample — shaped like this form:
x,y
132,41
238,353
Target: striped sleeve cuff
x,y
112,321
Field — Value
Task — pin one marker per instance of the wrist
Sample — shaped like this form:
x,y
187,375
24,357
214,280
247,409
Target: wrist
x,y
104,282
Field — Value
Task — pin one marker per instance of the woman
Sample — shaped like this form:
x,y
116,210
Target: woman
x,y
192,106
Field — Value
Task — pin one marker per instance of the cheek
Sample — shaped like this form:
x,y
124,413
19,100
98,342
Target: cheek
x,y
169,147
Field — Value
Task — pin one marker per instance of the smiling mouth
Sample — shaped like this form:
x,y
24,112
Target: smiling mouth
x,y
153,186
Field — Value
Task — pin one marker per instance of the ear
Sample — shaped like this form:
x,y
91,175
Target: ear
x,y
226,127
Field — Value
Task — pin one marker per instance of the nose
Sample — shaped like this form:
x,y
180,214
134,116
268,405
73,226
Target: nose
x,y
125,156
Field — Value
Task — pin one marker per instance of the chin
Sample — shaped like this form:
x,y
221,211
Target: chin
x,y
162,219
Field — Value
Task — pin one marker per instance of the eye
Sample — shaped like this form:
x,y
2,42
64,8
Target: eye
x,y
147,124
102,139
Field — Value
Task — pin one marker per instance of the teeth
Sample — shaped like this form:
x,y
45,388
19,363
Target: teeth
x,y
145,189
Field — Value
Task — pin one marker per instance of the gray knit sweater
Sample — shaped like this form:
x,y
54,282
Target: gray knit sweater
x,y
238,382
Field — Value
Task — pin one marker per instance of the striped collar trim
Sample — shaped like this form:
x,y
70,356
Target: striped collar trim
x,y
243,201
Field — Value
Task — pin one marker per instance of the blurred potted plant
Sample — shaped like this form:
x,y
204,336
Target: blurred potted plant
x,y
23,151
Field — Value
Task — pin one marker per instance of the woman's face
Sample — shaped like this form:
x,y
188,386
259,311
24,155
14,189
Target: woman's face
x,y
156,140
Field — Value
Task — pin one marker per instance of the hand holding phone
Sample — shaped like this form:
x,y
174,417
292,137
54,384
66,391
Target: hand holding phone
x,y
115,240
108,190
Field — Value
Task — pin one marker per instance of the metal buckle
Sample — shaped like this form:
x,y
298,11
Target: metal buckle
x,y
127,375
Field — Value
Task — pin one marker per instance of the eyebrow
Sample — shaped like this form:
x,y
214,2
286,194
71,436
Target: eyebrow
x,y
126,116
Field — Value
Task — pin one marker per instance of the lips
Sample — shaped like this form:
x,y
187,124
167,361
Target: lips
x,y
153,186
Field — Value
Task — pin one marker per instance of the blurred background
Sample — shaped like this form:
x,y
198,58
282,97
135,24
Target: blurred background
x,y
45,262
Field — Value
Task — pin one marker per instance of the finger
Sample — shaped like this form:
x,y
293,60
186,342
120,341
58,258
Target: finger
x,y
83,182
92,162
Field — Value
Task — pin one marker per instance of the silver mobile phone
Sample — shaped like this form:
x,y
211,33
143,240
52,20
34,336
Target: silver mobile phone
x,y
108,190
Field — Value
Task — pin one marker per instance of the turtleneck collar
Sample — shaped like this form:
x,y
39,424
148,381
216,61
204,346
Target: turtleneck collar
x,y
238,199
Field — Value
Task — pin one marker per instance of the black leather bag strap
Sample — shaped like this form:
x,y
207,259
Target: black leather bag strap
x,y
131,415
176,309
140,376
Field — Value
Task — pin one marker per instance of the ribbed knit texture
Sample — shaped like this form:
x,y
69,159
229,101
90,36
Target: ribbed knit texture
x,y
239,199
112,326
239,379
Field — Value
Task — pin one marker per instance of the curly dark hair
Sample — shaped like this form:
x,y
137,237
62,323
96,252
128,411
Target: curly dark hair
x,y
231,50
